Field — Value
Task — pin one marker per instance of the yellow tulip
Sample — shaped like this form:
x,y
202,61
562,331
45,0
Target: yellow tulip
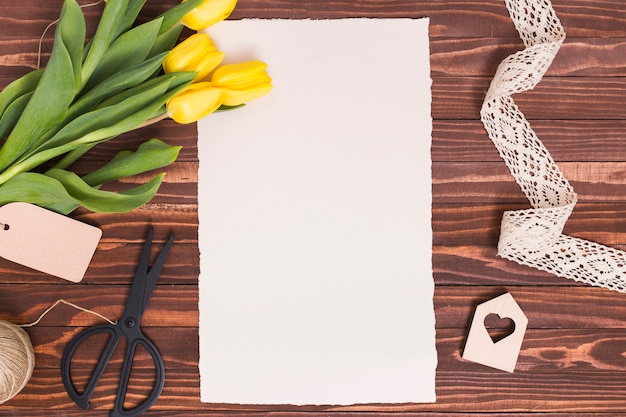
x,y
208,13
243,82
194,102
197,53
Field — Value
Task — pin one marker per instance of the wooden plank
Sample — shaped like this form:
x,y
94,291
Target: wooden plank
x,y
563,98
589,57
479,224
32,19
450,18
576,358
452,182
553,350
170,305
115,263
580,307
469,264
568,353
562,306
50,343
449,57
490,182
484,389
293,413
182,219
567,140
480,265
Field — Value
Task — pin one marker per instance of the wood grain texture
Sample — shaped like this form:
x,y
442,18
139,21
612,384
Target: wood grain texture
x,y
579,140
572,361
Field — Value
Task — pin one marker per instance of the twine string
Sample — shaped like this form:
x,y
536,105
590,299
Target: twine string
x,y
17,355
86,310
17,360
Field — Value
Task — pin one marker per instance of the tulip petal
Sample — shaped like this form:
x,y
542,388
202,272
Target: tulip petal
x,y
239,97
208,13
187,53
242,82
197,54
194,102
234,74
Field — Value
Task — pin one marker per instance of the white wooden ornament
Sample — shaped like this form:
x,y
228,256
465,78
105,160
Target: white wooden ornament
x,y
480,347
47,241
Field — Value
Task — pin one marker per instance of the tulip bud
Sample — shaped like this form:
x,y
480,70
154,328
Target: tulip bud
x,y
243,82
208,13
194,102
197,53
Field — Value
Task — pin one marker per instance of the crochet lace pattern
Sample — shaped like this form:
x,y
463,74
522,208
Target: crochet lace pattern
x,y
534,237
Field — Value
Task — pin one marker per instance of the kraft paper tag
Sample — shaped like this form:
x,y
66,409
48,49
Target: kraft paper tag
x,y
47,241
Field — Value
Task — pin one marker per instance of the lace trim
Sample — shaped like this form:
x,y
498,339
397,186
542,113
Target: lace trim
x,y
534,236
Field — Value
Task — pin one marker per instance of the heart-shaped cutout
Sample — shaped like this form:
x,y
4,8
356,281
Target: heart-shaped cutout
x,y
498,327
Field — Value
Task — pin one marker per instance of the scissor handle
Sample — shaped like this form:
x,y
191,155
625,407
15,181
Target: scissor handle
x,y
159,367
136,338
82,399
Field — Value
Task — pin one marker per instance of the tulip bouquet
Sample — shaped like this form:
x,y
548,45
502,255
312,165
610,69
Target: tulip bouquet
x,y
127,76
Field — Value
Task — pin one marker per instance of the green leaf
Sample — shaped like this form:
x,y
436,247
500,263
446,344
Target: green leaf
x,y
30,187
150,155
111,19
227,108
73,156
53,95
101,201
173,15
166,40
63,191
143,106
131,13
72,32
13,113
175,80
133,110
130,49
117,83
16,89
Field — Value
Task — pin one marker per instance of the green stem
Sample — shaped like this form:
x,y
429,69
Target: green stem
x,y
73,150
152,121
36,160
73,156
111,18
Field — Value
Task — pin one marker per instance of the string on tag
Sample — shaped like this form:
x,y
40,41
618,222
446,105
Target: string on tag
x,y
17,355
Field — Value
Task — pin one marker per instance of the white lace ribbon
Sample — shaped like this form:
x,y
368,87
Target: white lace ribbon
x,y
534,236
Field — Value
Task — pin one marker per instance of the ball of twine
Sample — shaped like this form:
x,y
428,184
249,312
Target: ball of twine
x,y
17,360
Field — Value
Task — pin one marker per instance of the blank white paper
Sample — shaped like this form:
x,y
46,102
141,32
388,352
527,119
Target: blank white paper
x,y
315,219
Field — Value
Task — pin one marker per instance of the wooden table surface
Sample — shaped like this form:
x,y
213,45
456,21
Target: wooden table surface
x,y
573,358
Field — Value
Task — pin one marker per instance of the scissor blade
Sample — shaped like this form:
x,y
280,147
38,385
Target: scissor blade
x,y
144,258
155,271
144,281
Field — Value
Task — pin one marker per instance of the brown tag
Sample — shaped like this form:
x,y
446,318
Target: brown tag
x,y
47,241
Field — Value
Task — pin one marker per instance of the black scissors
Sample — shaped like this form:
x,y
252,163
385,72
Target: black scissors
x,y
127,327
